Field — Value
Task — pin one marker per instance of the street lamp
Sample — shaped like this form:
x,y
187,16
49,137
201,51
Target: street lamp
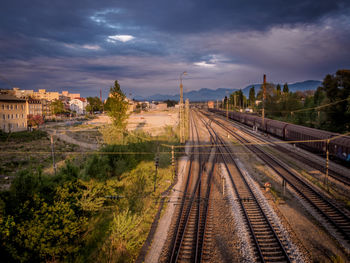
x,y
182,120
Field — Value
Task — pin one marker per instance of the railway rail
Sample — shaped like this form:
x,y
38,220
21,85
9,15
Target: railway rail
x,y
314,164
269,246
339,221
189,233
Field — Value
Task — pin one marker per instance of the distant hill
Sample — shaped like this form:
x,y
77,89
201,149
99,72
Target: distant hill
x,y
219,94
195,95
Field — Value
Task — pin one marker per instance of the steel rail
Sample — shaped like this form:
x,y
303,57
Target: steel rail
x,y
258,244
284,172
332,173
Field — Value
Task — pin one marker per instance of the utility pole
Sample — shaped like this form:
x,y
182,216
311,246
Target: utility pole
x,y
227,109
53,154
327,165
187,112
156,164
182,128
234,100
173,160
264,98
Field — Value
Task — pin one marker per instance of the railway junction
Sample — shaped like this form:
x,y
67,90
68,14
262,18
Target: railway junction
x,y
244,196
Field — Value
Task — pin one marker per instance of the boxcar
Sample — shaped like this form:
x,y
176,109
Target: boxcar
x,y
303,134
250,120
340,148
276,128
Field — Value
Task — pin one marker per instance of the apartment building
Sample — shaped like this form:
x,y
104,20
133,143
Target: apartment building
x,y
34,107
13,113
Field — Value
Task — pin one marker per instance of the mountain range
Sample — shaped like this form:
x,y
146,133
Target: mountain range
x,y
218,94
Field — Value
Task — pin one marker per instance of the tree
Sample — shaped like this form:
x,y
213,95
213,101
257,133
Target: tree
x,y
278,89
34,120
94,104
117,106
252,96
285,88
57,107
337,88
170,103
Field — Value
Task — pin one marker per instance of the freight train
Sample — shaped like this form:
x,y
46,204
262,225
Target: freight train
x,y
310,139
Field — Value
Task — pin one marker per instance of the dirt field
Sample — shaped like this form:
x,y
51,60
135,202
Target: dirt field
x,y
152,122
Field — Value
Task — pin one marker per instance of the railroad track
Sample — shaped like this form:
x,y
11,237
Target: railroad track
x,y
314,164
333,216
190,230
269,246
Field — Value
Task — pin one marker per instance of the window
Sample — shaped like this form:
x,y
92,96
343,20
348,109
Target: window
x,y
11,107
3,106
16,116
16,107
22,115
8,107
17,125
8,116
11,116
22,107
4,116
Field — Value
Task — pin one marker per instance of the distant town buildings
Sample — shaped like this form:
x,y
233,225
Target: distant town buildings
x,y
17,104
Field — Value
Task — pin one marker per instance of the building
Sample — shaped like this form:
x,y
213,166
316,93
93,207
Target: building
x,y
78,105
13,113
23,94
46,108
71,96
50,96
34,107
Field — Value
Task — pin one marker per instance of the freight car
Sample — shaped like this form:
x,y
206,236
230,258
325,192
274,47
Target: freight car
x,y
319,141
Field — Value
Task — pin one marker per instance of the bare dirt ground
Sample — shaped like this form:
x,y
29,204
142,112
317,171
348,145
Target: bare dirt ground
x,y
153,122
87,135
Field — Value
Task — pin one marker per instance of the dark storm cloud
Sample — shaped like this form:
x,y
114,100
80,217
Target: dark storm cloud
x,y
87,44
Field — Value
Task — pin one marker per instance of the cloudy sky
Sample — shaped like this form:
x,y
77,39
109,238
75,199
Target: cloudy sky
x,y
84,45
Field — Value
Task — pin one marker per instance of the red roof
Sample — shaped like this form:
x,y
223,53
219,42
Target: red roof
x,y
81,99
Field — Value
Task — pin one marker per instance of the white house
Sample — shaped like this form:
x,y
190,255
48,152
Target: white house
x,y
78,105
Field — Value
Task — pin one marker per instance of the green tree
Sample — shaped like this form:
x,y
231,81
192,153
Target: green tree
x,y
94,104
278,89
57,107
252,96
337,88
117,106
285,88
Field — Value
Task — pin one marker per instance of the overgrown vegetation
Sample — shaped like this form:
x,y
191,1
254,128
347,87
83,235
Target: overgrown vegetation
x,y
23,136
70,216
